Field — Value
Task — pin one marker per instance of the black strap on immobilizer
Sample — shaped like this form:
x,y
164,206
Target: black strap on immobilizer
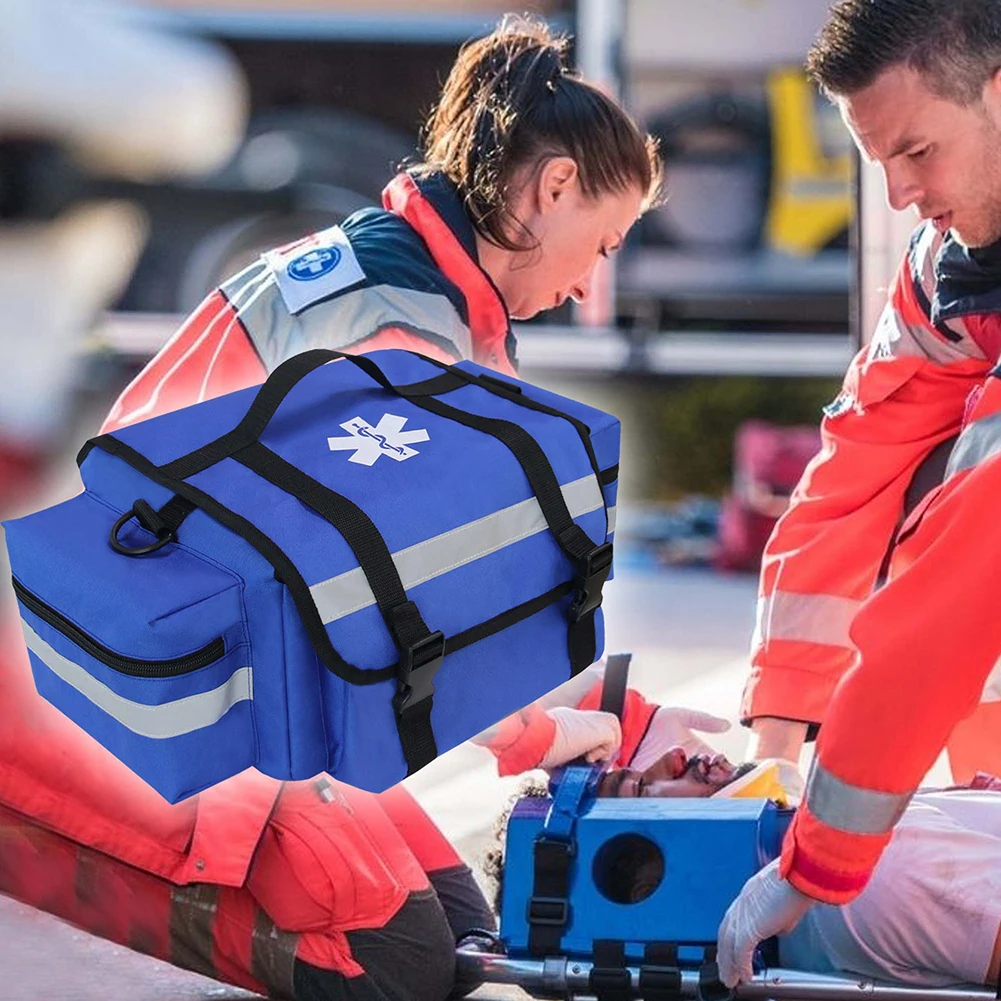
x,y
548,911
549,907
660,976
711,988
609,978
613,688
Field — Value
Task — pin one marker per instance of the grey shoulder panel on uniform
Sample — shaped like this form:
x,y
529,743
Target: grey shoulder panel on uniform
x,y
341,321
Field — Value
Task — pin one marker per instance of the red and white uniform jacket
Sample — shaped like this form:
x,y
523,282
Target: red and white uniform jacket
x,y
905,394
405,276
929,647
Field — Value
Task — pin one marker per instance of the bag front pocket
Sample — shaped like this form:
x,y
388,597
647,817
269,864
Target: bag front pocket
x,y
167,719
151,656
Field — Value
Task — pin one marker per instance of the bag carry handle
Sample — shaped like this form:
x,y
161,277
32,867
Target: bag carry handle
x,y
272,394
593,562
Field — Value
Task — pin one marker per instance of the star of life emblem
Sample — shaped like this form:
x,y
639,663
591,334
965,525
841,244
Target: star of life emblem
x,y
370,443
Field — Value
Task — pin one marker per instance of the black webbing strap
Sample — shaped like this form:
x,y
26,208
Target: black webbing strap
x,y
613,687
421,650
711,988
609,475
549,906
273,392
165,520
593,563
660,976
609,979
507,618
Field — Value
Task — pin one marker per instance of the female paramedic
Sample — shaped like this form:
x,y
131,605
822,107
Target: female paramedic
x,y
529,176
316,890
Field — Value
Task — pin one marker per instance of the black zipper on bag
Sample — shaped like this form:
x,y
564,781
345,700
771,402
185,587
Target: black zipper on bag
x,y
124,665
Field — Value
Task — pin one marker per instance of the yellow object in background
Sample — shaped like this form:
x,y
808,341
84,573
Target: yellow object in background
x,y
811,199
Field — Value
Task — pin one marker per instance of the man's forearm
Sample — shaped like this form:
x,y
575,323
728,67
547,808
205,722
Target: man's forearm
x,y
772,737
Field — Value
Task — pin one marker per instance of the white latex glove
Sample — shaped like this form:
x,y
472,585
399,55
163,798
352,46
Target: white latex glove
x,y
588,732
767,905
673,727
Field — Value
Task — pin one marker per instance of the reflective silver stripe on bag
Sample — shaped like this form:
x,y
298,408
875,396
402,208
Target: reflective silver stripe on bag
x,y
170,719
348,592
806,618
850,808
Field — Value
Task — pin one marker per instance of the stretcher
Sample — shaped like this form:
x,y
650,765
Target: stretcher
x,y
622,898
562,977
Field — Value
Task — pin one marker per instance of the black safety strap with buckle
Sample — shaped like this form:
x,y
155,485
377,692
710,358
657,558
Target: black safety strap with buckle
x,y
609,978
711,988
549,906
660,975
548,911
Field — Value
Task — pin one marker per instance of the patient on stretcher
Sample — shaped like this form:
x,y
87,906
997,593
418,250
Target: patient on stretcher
x,y
930,915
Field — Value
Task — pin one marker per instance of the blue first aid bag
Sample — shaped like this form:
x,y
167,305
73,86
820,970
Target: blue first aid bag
x,y
351,568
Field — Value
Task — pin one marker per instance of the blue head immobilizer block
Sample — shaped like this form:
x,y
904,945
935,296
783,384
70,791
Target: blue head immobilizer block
x,y
636,871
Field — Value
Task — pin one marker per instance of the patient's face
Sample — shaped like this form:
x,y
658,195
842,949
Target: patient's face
x,y
674,774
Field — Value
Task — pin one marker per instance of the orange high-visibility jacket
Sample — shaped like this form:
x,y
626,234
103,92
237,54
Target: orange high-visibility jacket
x,y
904,394
929,647
422,289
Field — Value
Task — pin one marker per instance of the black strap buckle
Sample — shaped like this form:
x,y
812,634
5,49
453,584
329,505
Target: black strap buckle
x,y
418,666
594,571
551,912
143,512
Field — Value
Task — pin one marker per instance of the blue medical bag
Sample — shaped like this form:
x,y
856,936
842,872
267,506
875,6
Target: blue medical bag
x,y
647,879
348,569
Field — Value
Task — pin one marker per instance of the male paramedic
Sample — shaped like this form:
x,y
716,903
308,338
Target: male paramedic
x,y
916,83
919,85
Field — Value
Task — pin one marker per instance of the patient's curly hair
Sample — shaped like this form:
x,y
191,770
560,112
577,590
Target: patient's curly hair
x,y
493,859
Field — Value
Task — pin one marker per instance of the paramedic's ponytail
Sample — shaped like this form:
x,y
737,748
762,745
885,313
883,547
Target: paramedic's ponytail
x,y
510,101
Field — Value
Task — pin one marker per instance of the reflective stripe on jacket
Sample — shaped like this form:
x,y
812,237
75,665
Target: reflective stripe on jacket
x,y
929,645
904,395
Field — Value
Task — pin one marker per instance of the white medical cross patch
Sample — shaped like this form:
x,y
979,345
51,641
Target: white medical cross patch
x,y
386,438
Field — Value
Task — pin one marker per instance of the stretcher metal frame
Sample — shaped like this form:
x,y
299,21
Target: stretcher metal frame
x,y
562,977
